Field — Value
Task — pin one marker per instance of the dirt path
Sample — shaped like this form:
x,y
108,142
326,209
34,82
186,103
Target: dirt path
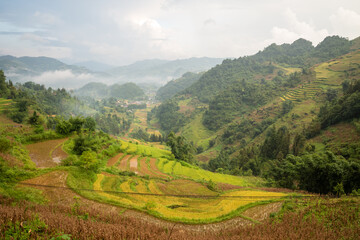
x,y
48,153
114,159
66,197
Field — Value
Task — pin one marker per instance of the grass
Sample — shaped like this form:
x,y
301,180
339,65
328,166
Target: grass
x,y
143,150
195,131
6,104
195,173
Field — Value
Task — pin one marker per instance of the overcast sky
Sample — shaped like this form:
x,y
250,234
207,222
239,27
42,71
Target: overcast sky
x,y
120,32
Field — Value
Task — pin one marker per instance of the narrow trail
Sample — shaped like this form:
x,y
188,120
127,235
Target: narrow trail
x,y
67,197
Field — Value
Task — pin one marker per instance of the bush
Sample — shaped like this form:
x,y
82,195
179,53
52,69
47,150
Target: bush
x,y
5,144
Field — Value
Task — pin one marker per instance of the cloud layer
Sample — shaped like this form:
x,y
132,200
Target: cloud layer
x,y
121,32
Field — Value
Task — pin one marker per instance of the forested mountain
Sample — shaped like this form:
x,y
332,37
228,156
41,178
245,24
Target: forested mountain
x,y
49,71
255,111
161,71
35,65
175,86
100,90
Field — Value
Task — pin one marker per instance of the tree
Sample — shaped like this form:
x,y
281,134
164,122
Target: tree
x,y
3,86
63,127
34,119
89,161
276,144
90,124
76,124
181,149
299,144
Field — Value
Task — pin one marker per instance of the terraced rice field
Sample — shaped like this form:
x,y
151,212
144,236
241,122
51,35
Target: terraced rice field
x,y
5,104
112,161
167,189
328,75
48,153
158,197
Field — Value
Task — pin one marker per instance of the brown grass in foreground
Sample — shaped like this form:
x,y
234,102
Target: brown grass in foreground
x,y
321,219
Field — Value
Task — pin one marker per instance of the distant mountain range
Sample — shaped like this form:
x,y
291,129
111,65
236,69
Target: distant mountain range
x,y
95,66
54,73
162,71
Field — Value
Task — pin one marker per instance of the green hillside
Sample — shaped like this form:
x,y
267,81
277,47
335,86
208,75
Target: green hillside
x,y
175,86
284,95
121,91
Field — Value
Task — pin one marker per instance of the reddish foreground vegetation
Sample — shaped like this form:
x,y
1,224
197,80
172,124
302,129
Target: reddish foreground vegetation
x,y
309,219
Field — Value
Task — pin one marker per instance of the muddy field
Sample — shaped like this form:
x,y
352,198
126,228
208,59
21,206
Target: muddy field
x,y
48,153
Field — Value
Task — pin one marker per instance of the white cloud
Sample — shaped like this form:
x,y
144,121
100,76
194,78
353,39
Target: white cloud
x,y
346,23
294,30
64,78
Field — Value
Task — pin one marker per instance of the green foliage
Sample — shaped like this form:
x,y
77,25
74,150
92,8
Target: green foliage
x,y
175,86
35,119
276,144
89,161
332,47
223,76
63,127
76,124
245,129
89,142
181,149
346,107
126,91
169,117
287,106
100,90
239,98
24,230
5,144
90,124
298,144
319,173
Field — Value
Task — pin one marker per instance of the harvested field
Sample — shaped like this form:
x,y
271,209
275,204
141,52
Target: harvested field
x,y
61,200
46,154
124,163
112,161
134,164
155,169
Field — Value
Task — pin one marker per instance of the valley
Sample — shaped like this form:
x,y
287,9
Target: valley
x,y
263,146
